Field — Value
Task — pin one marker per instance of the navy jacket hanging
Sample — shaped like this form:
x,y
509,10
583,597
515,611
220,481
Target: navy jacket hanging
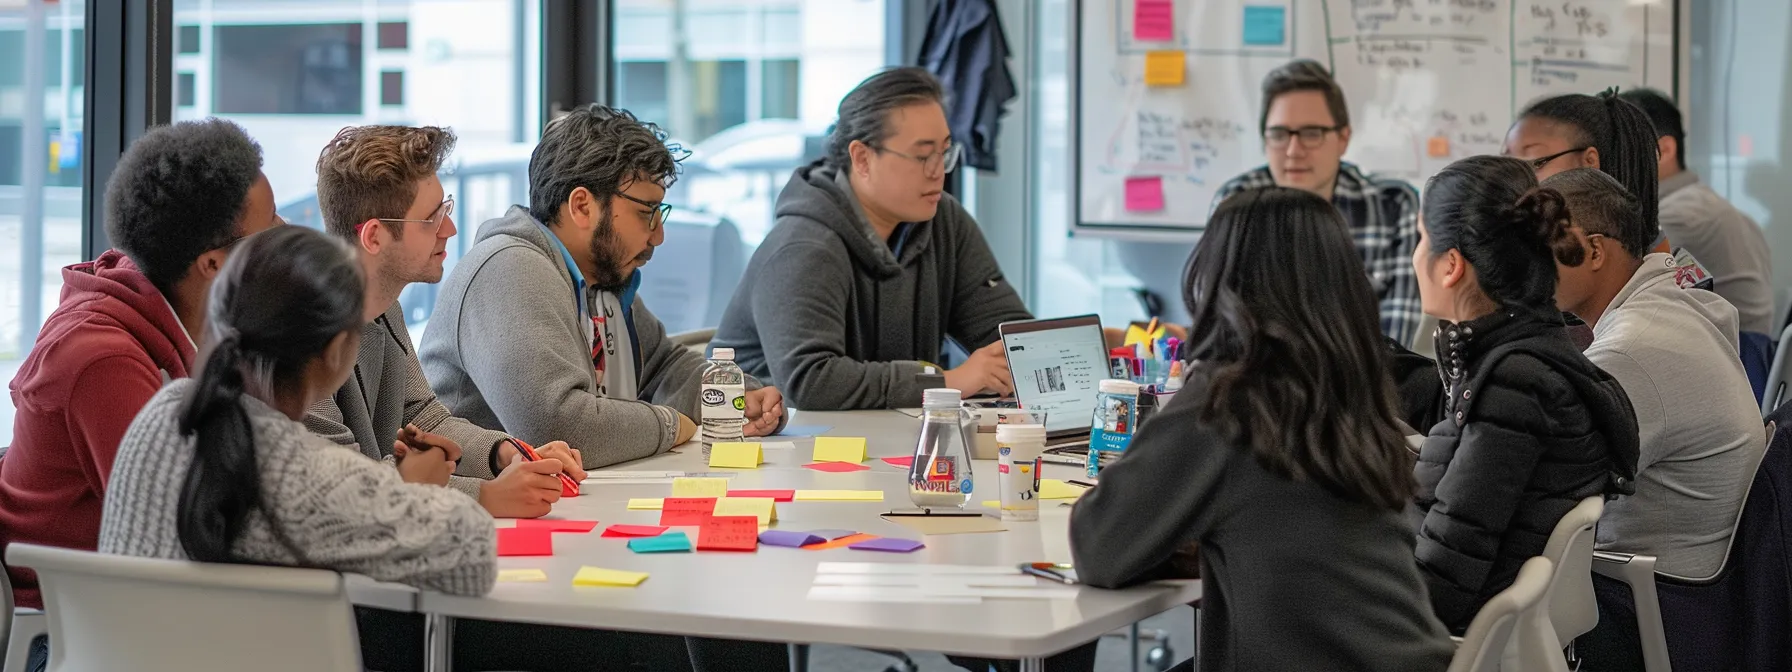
x,y
966,49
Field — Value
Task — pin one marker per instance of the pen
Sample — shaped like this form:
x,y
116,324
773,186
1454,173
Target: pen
x,y
568,487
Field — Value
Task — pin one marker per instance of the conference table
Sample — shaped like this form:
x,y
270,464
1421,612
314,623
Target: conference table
x,y
763,595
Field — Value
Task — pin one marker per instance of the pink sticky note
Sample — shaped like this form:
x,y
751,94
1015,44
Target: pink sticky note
x,y
903,462
1153,20
634,531
686,510
836,467
557,525
1145,194
519,541
774,495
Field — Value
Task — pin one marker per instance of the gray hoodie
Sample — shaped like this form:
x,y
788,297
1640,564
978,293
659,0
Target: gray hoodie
x,y
510,346
839,319
1674,351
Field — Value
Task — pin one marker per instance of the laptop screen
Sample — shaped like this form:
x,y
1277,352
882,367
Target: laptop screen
x,y
1057,366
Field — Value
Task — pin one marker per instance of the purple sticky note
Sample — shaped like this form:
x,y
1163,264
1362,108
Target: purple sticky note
x,y
1145,194
788,538
888,545
831,535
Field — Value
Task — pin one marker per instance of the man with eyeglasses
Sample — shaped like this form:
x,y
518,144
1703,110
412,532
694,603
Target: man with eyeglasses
x,y
1306,130
871,266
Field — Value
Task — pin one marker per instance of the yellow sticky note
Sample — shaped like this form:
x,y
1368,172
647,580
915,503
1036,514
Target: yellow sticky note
x,y
765,508
1051,488
839,449
646,504
699,487
1165,68
1438,147
735,456
839,495
598,576
993,503
522,576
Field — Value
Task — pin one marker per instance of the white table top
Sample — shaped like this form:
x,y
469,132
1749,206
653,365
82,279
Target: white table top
x,y
763,595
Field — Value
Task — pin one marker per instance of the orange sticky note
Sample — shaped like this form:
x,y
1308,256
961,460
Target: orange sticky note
x,y
686,510
728,533
841,542
1165,68
1438,147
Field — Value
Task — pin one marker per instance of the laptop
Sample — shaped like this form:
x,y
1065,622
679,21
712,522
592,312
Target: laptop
x,y
1057,365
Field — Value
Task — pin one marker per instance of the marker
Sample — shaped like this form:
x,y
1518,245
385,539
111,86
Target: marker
x,y
568,487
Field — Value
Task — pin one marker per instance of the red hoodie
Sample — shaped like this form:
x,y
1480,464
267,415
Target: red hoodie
x,y
98,360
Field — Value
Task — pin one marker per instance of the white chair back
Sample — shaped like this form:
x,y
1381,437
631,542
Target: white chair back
x,y
110,612
1535,647
1572,606
1490,634
1774,393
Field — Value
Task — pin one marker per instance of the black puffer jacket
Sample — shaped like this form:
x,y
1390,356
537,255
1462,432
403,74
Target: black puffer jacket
x,y
1530,429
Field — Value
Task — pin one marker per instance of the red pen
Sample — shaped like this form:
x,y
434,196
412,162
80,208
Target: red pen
x,y
568,487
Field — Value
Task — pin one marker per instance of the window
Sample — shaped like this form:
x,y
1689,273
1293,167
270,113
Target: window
x,y
42,58
287,69
779,84
391,88
188,40
185,89
395,35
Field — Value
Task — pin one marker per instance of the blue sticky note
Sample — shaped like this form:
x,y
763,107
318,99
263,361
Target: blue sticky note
x,y
670,542
1265,25
803,430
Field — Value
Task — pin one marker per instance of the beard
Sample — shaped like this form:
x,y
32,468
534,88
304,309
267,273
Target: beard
x,y
611,259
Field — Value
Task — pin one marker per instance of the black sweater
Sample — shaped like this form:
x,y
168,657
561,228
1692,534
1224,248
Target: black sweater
x,y
1294,577
1530,428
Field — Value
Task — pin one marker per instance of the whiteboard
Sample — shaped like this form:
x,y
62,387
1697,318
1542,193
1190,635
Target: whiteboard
x,y
1427,82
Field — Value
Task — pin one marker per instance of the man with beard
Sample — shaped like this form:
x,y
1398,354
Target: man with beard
x,y
539,330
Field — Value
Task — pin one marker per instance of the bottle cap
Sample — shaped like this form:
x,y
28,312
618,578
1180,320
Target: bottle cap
x,y
944,396
1018,434
723,354
1113,386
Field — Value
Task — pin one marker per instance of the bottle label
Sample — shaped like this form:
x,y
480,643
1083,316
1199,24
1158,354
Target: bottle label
x,y
724,413
1116,415
942,476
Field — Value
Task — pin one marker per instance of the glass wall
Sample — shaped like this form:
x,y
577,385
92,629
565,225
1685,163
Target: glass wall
x,y
42,51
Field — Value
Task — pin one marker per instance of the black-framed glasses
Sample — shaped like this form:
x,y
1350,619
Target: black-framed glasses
x,y
661,212
937,163
1311,137
434,222
1539,163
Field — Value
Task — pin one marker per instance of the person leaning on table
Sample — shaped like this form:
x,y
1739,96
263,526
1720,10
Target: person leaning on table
x,y
1280,459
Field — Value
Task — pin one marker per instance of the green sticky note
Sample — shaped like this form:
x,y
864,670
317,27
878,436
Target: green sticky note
x,y
1265,25
670,542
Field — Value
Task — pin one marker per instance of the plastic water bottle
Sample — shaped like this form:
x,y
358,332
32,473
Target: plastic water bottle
x,y
941,473
724,401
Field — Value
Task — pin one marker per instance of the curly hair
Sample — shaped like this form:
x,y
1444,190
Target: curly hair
x,y
177,193
371,172
602,149
1627,144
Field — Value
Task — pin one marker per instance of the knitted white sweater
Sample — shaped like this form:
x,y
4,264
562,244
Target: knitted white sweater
x,y
341,510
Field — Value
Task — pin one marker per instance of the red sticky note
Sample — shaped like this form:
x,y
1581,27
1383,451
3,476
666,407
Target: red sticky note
x,y
1153,20
775,495
729,533
904,462
1145,194
518,541
686,510
634,531
836,467
557,525
842,542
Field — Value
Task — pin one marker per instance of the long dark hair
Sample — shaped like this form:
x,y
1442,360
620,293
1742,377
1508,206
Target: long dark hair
x,y
1284,315
1509,229
279,300
1627,144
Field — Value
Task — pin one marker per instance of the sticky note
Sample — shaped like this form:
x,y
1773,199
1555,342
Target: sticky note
x,y
762,508
839,495
839,449
634,531
734,456
687,510
699,487
558,525
1051,488
888,545
674,542
1165,68
648,504
1438,147
728,533
1145,194
833,534
1264,25
523,541
904,462
522,576
600,577
776,495
842,542
789,539
1153,20
836,467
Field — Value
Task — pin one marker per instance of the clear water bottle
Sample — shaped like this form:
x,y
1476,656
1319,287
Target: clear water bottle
x,y
724,401
941,473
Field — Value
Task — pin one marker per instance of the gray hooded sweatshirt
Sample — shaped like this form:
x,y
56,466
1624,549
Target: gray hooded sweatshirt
x,y
511,346
840,319
1674,352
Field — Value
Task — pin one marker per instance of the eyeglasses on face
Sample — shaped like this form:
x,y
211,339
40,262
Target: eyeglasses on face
x,y
661,211
1540,162
430,225
937,163
1311,137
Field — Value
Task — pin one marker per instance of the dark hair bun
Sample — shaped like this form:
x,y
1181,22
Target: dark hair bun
x,y
1542,213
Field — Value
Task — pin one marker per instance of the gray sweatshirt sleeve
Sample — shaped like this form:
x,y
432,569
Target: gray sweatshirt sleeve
x,y
669,372
983,298
799,306
512,341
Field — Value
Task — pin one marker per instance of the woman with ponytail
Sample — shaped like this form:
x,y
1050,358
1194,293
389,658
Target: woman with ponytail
x,y
218,468
1530,426
1604,132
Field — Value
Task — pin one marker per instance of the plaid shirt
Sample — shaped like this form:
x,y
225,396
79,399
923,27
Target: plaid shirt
x,y
1384,219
